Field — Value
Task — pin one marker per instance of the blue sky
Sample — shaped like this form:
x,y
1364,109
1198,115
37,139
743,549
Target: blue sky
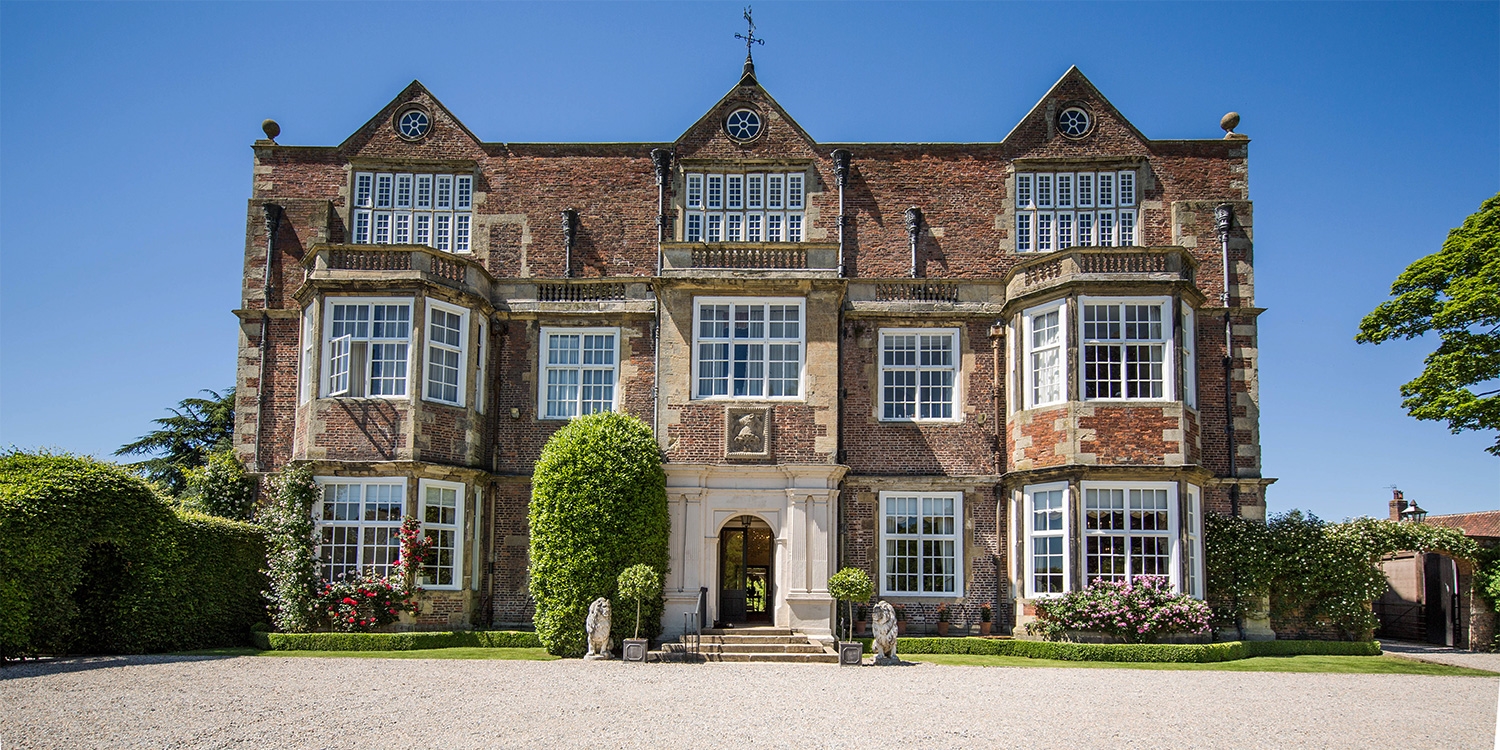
x,y
125,134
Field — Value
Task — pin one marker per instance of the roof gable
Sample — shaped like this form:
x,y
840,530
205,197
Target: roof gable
x,y
1037,133
780,137
446,139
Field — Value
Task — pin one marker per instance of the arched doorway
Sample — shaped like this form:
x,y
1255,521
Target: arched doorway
x,y
746,552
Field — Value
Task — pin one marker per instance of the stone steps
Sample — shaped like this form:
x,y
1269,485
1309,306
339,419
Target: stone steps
x,y
773,645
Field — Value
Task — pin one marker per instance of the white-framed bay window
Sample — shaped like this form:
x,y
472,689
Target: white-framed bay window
x,y
366,347
755,206
306,378
747,347
481,355
1192,553
580,372
921,543
441,513
447,349
397,208
1059,210
1189,357
1045,336
1126,348
357,524
1048,564
1129,530
919,374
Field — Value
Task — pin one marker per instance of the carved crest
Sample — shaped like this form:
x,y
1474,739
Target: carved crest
x,y
746,432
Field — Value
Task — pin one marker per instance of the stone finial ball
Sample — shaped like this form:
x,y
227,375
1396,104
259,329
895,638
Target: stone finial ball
x,y
271,128
1230,121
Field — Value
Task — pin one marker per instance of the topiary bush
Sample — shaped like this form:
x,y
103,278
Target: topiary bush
x,y
638,584
92,561
598,506
850,585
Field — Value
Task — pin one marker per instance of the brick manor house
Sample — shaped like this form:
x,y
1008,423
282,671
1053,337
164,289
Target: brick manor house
x,y
983,372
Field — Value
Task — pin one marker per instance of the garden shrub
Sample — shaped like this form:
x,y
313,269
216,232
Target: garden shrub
x,y
1140,611
1192,653
396,641
92,561
292,568
221,488
598,506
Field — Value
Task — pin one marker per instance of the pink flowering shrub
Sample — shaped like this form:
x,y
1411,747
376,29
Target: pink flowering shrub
x,y
362,602
1140,611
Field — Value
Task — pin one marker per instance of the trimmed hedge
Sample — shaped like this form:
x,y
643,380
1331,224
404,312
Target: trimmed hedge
x,y
1191,653
92,561
598,506
395,641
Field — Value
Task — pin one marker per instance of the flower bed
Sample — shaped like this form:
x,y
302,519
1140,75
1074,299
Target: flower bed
x,y
395,641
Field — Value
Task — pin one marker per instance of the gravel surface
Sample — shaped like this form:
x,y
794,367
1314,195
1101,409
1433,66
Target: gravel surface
x,y
1442,655
158,702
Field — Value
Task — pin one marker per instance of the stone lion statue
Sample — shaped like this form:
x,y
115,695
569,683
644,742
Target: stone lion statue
x,y
885,633
596,628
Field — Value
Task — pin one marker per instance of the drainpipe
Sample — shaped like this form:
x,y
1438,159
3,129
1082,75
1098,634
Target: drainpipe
x,y
841,175
997,335
570,233
272,214
1223,220
661,160
913,232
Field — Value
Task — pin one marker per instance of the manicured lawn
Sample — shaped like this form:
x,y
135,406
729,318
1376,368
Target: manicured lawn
x,y
506,654
1337,664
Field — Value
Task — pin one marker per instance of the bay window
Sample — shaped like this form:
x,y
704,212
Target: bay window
x,y
918,374
1044,332
447,345
366,347
1129,530
748,348
413,209
1056,211
922,543
441,514
1046,524
580,367
1126,348
357,524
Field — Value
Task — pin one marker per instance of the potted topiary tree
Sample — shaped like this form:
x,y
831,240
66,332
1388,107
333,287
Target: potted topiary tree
x,y
985,615
639,582
850,585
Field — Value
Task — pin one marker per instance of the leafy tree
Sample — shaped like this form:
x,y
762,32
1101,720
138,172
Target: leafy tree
x,y
1456,293
197,427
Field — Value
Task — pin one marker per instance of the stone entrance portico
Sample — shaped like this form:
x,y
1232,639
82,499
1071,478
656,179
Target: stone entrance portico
x,y
800,504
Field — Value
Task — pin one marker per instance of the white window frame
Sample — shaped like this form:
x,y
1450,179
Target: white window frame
x,y
358,524
422,217
462,350
1193,582
955,414
1167,342
329,345
481,355
544,346
746,220
1028,371
305,374
1189,358
767,341
1066,534
957,537
1174,548
457,527
1040,229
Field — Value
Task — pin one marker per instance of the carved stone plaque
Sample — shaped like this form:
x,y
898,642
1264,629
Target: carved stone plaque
x,y
747,432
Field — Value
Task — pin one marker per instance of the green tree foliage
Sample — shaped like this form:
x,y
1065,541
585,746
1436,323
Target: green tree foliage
x,y
183,441
92,561
292,568
850,585
639,583
221,488
1454,292
1328,573
598,506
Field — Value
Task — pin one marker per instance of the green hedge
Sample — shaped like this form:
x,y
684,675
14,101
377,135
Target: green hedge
x,y
1194,653
598,506
396,641
92,561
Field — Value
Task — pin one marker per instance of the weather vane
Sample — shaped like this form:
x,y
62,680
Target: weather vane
x,y
749,36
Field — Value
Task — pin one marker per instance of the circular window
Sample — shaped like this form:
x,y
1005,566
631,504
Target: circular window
x,y
742,124
413,124
1074,122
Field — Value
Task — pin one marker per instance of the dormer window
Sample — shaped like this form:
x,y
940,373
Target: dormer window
x,y
1059,210
744,206
393,208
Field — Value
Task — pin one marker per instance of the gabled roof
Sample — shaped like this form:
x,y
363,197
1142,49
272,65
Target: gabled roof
x,y
414,92
781,130
1485,523
1075,86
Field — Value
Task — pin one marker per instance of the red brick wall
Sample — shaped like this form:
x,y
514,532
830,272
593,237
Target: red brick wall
x,y
1129,435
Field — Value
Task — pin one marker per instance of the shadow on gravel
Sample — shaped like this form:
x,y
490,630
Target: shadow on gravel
x,y
63,665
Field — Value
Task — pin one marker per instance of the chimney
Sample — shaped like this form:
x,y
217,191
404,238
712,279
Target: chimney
x,y
1398,504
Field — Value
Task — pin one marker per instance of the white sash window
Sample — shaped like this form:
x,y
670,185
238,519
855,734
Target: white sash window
x,y
1099,210
447,344
751,207
922,544
748,348
441,514
1046,522
366,347
1045,332
579,371
918,374
1129,530
1126,348
421,209
357,524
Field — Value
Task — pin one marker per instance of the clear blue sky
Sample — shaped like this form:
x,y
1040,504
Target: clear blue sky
x,y
125,134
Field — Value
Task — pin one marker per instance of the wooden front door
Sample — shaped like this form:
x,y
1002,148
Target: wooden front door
x,y
745,572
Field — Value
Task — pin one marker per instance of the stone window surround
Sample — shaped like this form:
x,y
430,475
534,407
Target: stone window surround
x,y
801,342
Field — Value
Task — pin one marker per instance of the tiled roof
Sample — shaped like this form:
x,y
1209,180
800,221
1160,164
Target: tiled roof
x,y
1484,523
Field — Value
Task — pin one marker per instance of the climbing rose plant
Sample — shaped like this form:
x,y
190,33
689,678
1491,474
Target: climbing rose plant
x,y
1140,611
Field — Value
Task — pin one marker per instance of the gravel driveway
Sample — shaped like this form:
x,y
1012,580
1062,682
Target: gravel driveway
x,y
155,702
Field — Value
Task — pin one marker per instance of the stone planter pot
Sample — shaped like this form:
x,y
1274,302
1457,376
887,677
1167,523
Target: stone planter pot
x,y
851,653
942,628
636,648
984,628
